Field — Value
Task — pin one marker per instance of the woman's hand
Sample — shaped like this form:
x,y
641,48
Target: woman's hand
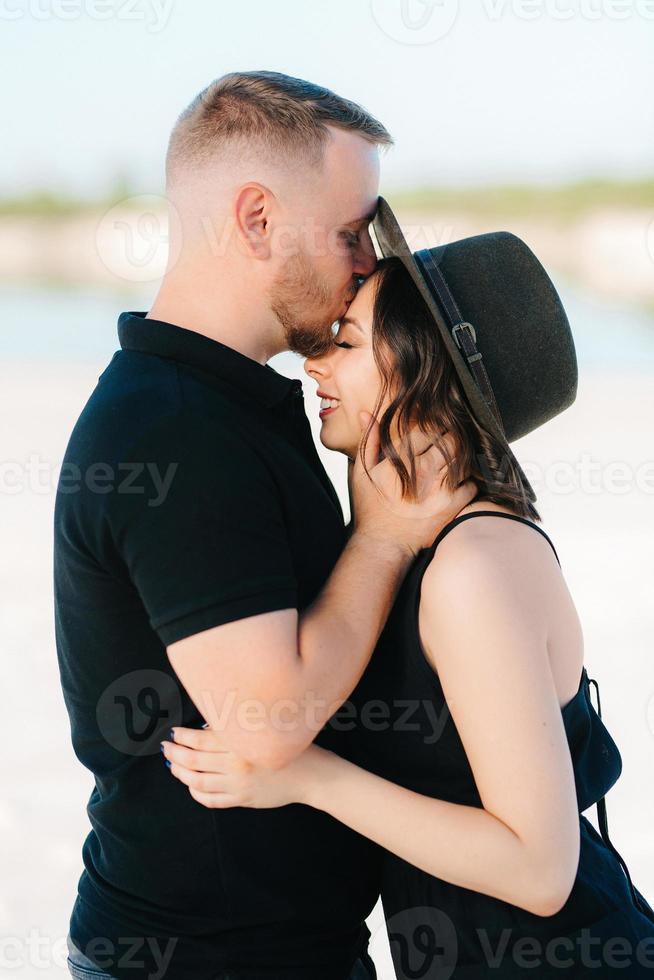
x,y
379,506
217,778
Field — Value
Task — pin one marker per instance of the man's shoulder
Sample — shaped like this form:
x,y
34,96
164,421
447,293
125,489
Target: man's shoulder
x,y
132,393
140,401
138,433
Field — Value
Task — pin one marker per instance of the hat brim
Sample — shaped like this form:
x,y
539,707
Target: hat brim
x,y
392,243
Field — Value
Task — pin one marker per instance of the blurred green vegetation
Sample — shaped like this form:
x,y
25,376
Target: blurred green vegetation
x,y
53,204
563,201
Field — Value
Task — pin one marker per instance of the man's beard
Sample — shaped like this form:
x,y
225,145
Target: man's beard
x,y
297,298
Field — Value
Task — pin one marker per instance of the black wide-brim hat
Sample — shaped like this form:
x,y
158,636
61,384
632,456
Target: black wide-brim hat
x,y
502,323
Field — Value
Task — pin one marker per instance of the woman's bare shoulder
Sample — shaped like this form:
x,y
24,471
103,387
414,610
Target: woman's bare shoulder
x,y
488,536
490,563
485,552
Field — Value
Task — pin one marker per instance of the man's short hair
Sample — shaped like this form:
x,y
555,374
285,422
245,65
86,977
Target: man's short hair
x,y
269,112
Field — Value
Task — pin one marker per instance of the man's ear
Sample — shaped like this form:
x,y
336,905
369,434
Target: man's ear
x,y
251,218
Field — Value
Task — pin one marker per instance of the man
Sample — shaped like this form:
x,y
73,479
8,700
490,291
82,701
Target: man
x,y
202,567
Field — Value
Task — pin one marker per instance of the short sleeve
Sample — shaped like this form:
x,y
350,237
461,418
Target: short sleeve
x,y
200,529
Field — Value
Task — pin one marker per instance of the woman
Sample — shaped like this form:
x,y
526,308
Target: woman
x,y
477,746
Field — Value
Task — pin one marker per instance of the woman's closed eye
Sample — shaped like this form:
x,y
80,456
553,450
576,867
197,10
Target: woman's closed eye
x,y
343,343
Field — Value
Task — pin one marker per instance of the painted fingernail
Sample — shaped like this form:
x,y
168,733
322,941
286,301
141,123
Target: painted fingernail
x,y
168,763
161,747
171,735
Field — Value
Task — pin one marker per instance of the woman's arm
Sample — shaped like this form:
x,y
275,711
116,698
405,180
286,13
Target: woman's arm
x,y
464,845
523,846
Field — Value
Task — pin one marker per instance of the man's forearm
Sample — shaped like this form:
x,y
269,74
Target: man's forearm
x,y
339,631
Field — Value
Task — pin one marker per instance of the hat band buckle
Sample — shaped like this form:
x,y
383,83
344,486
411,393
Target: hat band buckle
x,y
462,326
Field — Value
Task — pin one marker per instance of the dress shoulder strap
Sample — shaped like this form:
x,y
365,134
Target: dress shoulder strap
x,y
490,513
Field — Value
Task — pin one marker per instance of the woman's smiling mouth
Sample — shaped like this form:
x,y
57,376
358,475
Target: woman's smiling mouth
x,y
327,404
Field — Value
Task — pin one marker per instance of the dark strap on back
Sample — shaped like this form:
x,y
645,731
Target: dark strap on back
x,y
463,333
603,824
492,513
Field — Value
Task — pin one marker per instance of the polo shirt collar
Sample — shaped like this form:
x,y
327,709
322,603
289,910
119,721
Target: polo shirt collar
x,y
259,381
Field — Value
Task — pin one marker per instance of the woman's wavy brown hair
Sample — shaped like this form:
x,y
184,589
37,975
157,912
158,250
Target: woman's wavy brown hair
x,y
419,377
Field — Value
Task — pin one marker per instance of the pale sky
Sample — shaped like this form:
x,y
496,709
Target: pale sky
x,y
476,91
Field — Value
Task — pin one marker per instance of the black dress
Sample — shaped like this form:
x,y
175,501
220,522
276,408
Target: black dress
x,y
440,930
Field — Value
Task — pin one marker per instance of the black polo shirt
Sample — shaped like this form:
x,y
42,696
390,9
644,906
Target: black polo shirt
x,y
192,495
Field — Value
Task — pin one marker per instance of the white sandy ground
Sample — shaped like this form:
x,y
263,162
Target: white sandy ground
x,y
604,536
